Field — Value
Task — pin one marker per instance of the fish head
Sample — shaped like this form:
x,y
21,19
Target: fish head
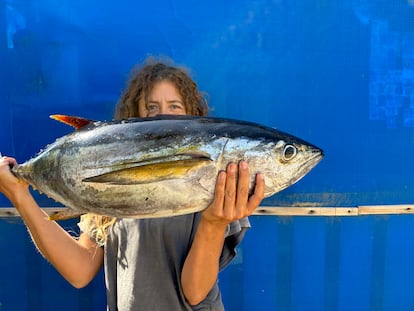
x,y
294,159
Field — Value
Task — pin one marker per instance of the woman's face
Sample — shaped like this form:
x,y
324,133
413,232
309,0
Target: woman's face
x,y
164,98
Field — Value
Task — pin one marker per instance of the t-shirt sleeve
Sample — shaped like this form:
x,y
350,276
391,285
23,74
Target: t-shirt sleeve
x,y
234,235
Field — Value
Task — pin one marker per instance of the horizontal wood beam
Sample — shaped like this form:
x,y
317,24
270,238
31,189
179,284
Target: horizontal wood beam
x,y
286,211
306,211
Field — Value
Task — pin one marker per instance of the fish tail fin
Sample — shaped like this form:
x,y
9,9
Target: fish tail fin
x,y
64,215
76,122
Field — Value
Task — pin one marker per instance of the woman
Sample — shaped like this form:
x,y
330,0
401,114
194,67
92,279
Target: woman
x,y
150,264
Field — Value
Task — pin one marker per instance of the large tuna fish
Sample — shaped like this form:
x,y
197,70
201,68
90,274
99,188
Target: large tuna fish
x,y
162,166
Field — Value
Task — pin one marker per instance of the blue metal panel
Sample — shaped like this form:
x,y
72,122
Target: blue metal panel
x,y
337,73
323,264
28,282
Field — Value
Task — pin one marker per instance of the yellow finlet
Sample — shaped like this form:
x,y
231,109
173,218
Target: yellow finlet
x,y
64,215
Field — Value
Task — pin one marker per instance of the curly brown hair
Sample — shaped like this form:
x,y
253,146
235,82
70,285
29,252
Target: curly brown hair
x,y
144,78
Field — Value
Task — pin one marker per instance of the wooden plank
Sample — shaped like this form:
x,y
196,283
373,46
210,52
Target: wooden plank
x,y
262,211
346,211
286,211
337,211
386,209
12,212
306,211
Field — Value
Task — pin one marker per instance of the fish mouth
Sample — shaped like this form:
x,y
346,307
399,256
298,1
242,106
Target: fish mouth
x,y
316,155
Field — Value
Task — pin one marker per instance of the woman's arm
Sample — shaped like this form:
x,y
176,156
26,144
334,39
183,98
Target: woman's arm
x,y
77,260
231,202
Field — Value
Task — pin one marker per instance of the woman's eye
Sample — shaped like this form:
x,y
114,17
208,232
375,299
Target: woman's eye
x,y
176,107
152,107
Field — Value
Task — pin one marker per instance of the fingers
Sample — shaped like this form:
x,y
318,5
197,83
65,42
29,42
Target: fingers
x,y
258,194
7,161
243,185
220,189
234,191
246,203
230,191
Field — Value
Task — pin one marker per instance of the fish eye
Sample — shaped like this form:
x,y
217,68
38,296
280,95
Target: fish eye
x,y
289,152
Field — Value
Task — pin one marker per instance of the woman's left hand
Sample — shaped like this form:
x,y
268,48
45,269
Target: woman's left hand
x,y
232,199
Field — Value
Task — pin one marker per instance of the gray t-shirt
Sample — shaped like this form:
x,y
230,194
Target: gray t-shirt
x,y
144,259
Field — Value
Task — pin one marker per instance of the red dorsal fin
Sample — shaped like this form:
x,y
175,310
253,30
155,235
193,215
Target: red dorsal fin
x,y
76,122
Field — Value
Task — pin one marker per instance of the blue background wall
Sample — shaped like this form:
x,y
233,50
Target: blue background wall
x,y
339,74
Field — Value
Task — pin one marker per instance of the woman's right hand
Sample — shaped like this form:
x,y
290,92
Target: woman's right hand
x,y
9,184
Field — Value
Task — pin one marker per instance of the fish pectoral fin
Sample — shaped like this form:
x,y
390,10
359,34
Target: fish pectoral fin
x,y
76,122
150,172
65,214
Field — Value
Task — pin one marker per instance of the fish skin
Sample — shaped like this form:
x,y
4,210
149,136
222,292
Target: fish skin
x,y
160,166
